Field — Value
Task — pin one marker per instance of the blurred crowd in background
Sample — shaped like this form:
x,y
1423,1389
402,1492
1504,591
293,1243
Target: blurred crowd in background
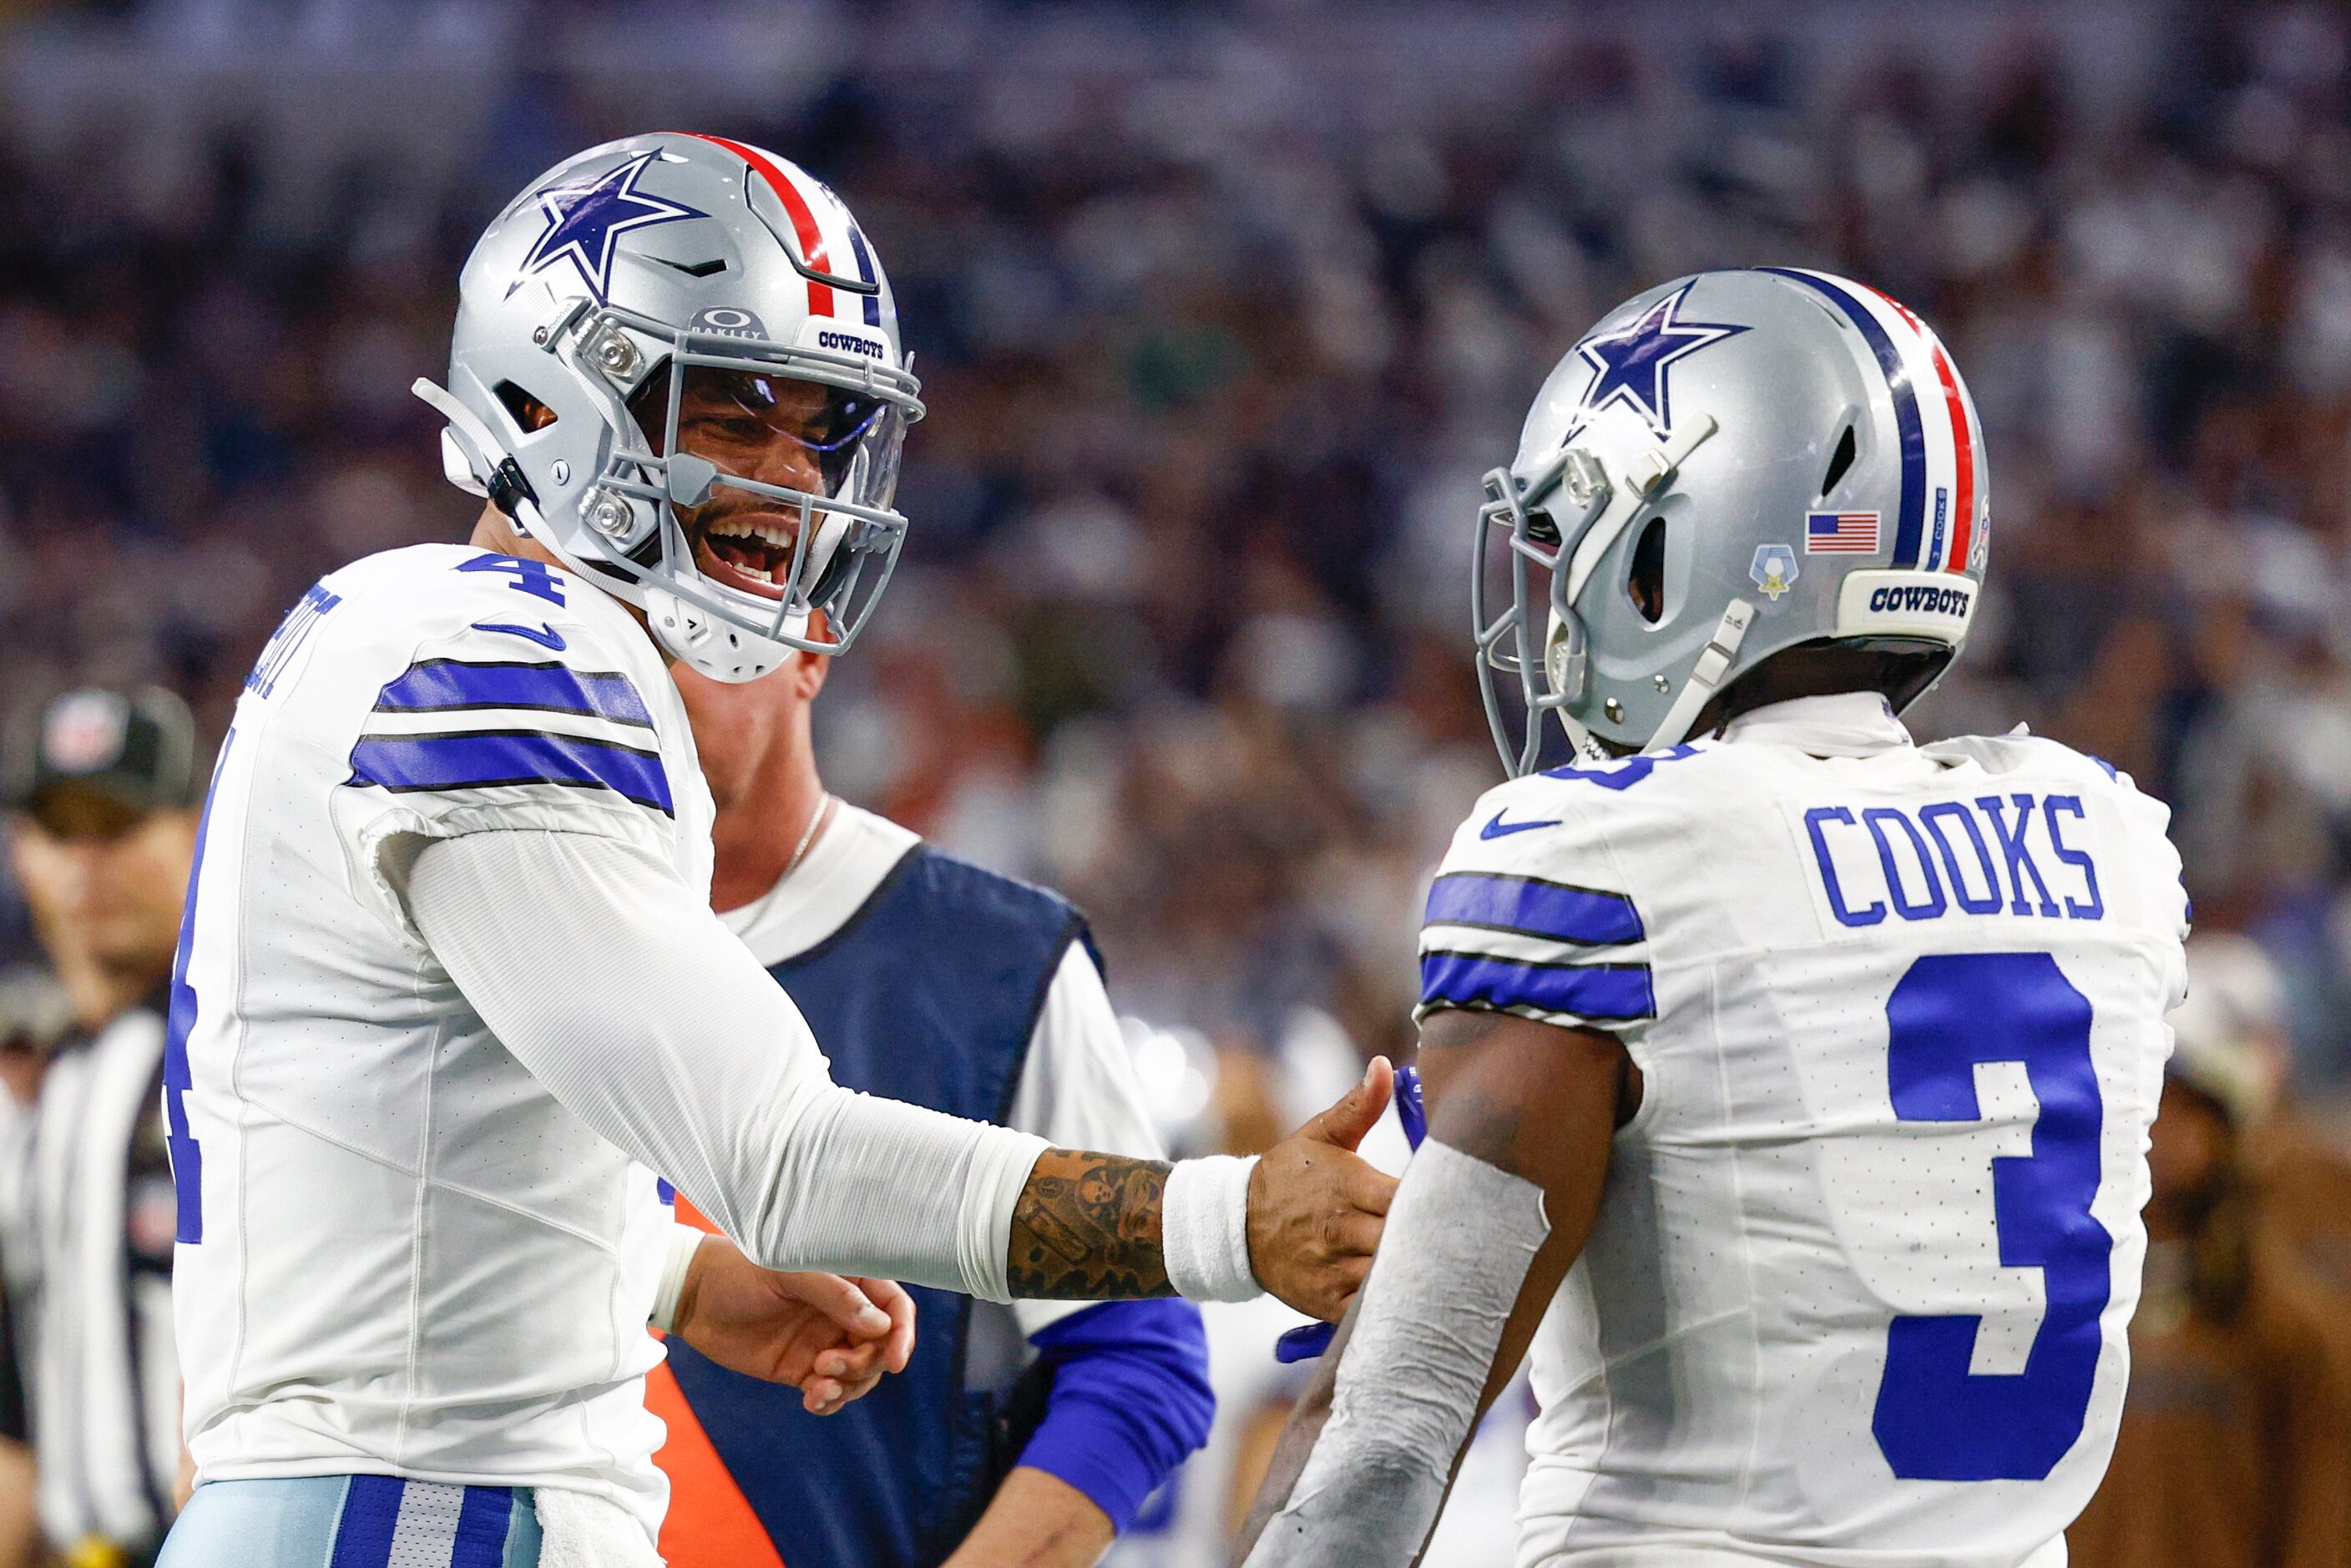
x,y
1220,311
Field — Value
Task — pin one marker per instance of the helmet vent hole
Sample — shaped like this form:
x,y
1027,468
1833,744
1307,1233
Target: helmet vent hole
x,y
1839,461
1647,585
528,411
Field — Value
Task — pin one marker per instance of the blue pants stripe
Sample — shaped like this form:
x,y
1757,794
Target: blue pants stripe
x,y
353,1521
370,1514
481,1528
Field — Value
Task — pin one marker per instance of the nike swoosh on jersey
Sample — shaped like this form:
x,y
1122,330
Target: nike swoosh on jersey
x,y
546,636
1499,828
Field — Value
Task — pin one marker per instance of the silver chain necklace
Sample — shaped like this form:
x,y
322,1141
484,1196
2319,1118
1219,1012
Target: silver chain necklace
x,y
816,820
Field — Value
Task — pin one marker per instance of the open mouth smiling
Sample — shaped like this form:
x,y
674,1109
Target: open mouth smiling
x,y
751,551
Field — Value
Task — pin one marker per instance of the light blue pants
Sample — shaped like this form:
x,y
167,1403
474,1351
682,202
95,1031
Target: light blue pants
x,y
353,1521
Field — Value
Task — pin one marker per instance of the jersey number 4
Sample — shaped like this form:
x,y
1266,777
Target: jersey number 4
x,y
186,1155
1936,1420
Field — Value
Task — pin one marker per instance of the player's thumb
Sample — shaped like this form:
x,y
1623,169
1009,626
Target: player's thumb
x,y
1358,1111
845,1306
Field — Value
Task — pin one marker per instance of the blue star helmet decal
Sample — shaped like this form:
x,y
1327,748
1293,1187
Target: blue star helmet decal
x,y
1631,365
584,220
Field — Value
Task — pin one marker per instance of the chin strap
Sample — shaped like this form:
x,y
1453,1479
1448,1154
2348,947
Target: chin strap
x,y
1705,675
508,491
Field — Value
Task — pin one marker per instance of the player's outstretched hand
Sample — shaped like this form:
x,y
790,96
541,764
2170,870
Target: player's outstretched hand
x,y
831,1337
1316,1207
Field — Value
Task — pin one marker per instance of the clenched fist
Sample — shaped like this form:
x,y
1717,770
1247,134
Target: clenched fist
x,y
832,1338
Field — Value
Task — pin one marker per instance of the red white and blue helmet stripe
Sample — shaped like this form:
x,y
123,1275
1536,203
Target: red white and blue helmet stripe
x,y
820,221
1938,520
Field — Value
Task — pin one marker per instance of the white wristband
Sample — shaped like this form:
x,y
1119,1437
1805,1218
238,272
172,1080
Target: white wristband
x,y
1204,1229
685,1241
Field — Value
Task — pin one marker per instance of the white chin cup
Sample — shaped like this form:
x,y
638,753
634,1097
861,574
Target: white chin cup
x,y
709,645
1566,663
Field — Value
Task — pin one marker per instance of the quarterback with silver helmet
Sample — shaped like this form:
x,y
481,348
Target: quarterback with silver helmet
x,y
1789,1081
451,1015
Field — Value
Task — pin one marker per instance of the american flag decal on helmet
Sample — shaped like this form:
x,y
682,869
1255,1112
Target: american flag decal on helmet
x,y
1840,533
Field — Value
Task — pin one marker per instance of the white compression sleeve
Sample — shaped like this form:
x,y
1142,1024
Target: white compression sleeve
x,y
630,1003
1460,1237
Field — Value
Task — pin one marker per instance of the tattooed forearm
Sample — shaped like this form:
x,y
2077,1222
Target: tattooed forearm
x,y
1087,1230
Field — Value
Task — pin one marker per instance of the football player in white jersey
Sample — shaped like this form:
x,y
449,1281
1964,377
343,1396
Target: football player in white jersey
x,y
450,998
1789,1081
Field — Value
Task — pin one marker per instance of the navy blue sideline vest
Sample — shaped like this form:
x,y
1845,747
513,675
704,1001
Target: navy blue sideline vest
x,y
929,994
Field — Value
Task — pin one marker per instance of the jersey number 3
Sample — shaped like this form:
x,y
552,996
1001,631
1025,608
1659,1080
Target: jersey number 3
x,y
1936,1420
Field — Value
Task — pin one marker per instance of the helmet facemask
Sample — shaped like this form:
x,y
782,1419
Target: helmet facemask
x,y
757,476
1564,518
1550,667
802,533
742,498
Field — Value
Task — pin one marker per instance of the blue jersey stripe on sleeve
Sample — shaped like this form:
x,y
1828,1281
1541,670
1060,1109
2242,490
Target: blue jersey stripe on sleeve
x,y
483,760
1600,992
456,685
1534,907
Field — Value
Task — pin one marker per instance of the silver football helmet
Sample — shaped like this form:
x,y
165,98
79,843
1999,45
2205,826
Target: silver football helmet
x,y
676,365
1726,466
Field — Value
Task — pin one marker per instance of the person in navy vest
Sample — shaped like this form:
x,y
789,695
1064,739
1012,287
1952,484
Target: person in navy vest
x,y
1028,1433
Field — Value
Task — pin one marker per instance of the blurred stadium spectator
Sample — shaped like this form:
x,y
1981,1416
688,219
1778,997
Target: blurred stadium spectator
x,y
2236,1438
102,785
36,1018
1220,310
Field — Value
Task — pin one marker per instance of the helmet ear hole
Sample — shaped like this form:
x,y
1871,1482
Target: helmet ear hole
x,y
529,414
1839,461
1648,583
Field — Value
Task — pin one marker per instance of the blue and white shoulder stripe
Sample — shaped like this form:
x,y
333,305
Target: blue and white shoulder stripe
x,y
1521,919
455,724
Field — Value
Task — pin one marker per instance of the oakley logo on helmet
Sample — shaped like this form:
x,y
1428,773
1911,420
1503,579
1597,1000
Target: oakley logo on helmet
x,y
584,221
728,321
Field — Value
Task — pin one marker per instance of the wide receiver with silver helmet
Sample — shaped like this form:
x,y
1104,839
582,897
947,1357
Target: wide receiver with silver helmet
x,y
1727,467
1829,1057
635,333
450,995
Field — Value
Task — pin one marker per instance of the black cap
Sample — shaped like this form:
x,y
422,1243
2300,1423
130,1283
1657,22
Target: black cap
x,y
133,750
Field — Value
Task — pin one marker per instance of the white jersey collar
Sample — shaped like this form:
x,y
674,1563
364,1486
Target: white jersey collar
x,y
1845,724
846,864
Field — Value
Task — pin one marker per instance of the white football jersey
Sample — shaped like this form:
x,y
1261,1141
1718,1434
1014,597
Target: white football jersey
x,y
397,1251
1858,1290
